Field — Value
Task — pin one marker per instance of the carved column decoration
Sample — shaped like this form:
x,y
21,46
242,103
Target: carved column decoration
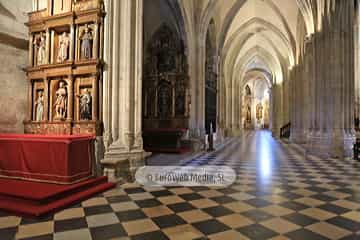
x,y
96,41
107,79
48,45
31,49
52,60
173,102
46,98
70,97
72,42
30,96
115,74
101,50
95,94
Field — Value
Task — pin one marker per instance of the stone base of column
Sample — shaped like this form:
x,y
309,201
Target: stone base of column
x,y
121,165
298,136
235,132
275,132
327,145
99,154
342,146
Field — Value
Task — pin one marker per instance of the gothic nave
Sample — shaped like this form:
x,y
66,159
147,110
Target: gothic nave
x,y
100,97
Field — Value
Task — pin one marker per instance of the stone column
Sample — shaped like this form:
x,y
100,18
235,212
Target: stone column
x,y
124,153
297,121
333,124
357,61
107,76
138,143
276,102
228,100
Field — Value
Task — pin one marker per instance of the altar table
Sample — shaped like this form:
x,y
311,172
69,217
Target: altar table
x,y
57,159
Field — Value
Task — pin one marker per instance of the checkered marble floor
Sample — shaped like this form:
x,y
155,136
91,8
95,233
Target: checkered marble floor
x,y
279,194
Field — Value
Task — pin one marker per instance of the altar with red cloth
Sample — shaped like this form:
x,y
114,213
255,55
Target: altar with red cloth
x,y
55,159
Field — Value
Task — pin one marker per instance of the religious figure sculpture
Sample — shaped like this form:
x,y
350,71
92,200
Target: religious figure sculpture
x,y
248,114
259,112
64,43
61,102
39,104
86,43
40,45
85,105
164,101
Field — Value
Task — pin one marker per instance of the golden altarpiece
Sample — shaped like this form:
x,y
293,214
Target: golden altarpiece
x,y
65,68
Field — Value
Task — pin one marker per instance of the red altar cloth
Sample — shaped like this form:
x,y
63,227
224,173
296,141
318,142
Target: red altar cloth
x,y
57,159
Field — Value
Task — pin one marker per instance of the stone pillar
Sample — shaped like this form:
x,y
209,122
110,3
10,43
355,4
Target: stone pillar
x,y
276,102
357,61
124,153
297,121
333,124
107,76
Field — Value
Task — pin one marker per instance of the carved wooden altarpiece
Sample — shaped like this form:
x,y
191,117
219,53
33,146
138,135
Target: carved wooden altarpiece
x,y
166,83
65,68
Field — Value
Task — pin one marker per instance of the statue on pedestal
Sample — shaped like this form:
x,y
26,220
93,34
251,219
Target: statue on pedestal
x,y
39,104
86,43
248,114
259,111
164,101
61,102
64,43
85,105
40,45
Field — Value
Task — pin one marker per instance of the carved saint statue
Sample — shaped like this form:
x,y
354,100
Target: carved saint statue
x,y
61,102
40,45
39,104
259,112
164,101
86,43
248,114
64,43
85,105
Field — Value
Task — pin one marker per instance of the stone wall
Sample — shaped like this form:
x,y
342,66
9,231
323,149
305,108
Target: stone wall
x,y
13,91
13,59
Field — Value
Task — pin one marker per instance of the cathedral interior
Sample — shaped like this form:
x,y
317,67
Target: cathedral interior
x,y
100,97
